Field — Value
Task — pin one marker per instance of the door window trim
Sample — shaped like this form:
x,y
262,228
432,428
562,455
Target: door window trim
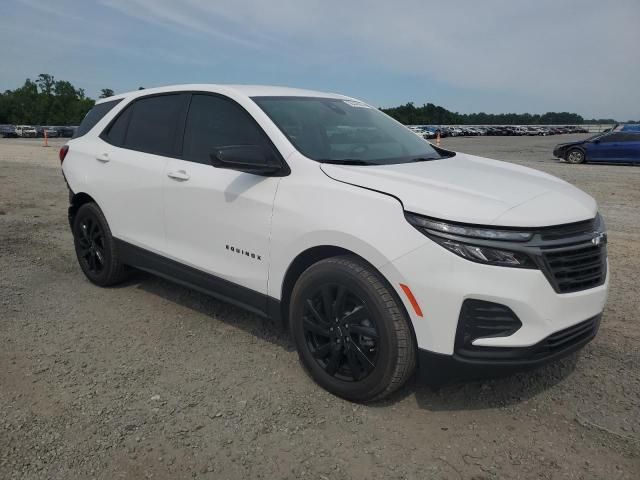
x,y
177,145
182,125
283,164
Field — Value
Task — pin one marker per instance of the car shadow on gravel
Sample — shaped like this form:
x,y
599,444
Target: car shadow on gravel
x,y
209,306
471,395
490,393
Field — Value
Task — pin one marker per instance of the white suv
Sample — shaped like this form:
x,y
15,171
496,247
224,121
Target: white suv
x,y
382,253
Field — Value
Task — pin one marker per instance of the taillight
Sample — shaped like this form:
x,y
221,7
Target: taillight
x,y
63,153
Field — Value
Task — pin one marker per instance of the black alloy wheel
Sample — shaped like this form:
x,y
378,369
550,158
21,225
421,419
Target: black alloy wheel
x,y
91,249
351,330
340,333
95,247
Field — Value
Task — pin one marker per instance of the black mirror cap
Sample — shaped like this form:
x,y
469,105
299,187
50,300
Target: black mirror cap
x,y
253,159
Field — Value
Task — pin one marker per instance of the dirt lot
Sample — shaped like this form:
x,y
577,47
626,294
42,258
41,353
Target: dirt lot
x,y
151,380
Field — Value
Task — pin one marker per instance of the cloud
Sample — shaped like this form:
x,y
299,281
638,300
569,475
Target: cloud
x,y
48,8
178,18
576,55
573,54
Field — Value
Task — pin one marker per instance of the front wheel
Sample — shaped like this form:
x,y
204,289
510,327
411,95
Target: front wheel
x,y
575,156
351,332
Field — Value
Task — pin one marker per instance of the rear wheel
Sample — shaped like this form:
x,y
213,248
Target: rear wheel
x,y
352,335
575,156
95,247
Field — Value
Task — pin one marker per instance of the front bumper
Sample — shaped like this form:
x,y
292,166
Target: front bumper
x,y
441,282
437,369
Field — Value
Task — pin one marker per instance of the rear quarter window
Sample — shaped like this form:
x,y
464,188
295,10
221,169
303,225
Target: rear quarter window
x,y
94,116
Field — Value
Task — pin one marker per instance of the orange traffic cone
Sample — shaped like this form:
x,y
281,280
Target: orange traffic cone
x,y
46,139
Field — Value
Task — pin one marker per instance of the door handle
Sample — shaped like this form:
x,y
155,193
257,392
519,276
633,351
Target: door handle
x,y
179,175
103,157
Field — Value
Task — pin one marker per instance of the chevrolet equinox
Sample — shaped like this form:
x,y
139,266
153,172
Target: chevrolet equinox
x,y
383,254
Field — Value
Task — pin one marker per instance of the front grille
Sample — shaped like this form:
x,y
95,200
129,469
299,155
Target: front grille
x,y
576,267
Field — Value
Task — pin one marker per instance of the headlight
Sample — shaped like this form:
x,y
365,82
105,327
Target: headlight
x,y
478,243
490,256
438,226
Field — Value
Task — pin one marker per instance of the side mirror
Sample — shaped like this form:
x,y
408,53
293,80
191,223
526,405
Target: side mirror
x,y
597,140
246,158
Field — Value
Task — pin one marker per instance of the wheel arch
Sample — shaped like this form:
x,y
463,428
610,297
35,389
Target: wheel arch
x,y
313,255
76,200
576,147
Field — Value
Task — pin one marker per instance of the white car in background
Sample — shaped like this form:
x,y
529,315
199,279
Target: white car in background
x,y
26,131
381,253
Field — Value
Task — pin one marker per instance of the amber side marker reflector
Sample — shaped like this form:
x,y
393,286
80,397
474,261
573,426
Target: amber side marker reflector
x,y
414,303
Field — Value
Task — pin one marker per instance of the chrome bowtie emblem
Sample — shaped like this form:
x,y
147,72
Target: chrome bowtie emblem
x,y
599,239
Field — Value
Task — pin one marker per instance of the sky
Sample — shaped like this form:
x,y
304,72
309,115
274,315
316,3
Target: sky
x,y
495,56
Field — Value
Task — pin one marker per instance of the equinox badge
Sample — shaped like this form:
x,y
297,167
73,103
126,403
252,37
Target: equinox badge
x,y
244,252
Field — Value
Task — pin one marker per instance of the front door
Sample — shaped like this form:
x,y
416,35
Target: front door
x,y
218,221
608,148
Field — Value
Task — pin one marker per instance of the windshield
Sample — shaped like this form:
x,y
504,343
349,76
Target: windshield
x,y
346,131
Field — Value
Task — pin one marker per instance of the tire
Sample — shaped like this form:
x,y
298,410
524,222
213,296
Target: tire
x,y
367,359
575,156
95,248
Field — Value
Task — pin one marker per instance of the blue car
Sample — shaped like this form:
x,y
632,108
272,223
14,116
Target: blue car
x,y
631,127
614,147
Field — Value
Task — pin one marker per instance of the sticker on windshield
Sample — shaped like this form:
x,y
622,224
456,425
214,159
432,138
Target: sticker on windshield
x,y
355,103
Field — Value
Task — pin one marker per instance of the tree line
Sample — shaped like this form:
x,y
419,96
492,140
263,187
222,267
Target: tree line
x,y
430,114
47,101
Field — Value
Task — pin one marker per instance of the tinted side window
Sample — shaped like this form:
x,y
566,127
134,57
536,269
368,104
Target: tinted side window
x,y
153,124
94,116
214,122
118,129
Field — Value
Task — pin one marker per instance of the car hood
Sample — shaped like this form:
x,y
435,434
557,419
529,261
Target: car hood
x,y
476,190
566,144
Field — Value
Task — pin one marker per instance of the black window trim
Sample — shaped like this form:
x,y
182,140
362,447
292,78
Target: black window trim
x,y
182,125
177,146
114,103
285,170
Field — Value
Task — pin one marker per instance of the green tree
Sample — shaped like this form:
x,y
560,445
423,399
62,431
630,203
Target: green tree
x,y
106,92
45,101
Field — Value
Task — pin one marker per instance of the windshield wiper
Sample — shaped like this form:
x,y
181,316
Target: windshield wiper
x,y
346,161
424,159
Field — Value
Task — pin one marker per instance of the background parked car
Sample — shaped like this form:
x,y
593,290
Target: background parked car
x,y
52,132
26,131
617,147
8,131
430,131
66,132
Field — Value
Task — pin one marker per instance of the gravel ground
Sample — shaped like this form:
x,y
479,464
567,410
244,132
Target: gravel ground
x,y
152,380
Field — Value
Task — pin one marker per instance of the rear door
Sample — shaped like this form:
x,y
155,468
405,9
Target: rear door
x,y
131,165
218,220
